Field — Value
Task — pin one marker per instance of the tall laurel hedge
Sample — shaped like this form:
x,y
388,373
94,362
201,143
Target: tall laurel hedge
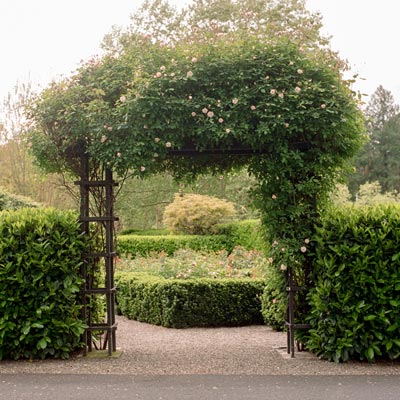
x,y
40,257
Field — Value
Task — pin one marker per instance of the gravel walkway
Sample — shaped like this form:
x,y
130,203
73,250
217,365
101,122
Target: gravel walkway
x,y
154,350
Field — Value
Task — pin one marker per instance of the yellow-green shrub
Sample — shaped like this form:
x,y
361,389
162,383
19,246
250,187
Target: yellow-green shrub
x,y
196,214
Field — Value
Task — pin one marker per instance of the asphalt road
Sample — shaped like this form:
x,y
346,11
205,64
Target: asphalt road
x,y
197,387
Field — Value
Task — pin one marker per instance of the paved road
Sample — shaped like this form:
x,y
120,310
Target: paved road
x,y
197,387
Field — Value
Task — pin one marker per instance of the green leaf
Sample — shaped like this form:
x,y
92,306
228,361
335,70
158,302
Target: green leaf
x,y
42,344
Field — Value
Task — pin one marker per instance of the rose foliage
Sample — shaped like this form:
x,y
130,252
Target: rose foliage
x,y
284,108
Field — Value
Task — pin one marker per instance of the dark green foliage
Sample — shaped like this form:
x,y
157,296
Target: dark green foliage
x,y
133,245
247,234
40,257
9,201
187,303
274,299
355,306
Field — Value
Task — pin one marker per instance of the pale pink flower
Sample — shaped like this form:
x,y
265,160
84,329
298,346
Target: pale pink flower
x,y
204,110
190,97
286,125
275,243
267,77
189,74
300,71
103,139
273,197
168,144
220,120
297,89
271,260
122,99
158,75
323,106
283,267
253,108
194,60
303,249
172,74
283,249
227,130
306,241
109,128
210,114
157,139
275,301
291,63
193,114
235,100
162,68
119,154
142,168
273,92
145,127
281,95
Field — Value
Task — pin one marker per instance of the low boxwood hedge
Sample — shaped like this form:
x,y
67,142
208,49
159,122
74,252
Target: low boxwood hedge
x,y
133,245
177,303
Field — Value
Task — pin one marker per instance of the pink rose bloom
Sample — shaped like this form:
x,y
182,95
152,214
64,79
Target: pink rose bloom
x,y
103,139
193,114
168,144
303,249
273,92
235,100
297,89
300,71
122,99
204,110
189,74
220,120
253,108
210,114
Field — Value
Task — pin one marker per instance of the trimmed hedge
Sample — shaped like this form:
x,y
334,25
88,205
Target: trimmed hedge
x,y
40,257
188,303
355,306
246,233
134,245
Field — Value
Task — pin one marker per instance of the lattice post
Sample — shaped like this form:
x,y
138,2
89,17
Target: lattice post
x,y
107,253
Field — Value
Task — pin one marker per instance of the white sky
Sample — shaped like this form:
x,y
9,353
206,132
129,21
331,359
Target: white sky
x,y
40,39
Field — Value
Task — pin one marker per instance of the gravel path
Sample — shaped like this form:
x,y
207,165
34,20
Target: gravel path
x,y
154,350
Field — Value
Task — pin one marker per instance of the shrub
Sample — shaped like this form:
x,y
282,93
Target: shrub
x,y
145,232
187,263
186,303
10,201
246,233
40,257
355,306
196,214
274,299
137,245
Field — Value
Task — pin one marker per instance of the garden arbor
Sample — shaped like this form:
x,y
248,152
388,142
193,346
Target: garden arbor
x,y
280,110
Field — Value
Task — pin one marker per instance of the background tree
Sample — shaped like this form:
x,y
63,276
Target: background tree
x,y
18,174
379,158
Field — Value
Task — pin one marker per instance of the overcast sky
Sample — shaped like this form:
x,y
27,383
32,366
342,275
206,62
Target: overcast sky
x,y
40,39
